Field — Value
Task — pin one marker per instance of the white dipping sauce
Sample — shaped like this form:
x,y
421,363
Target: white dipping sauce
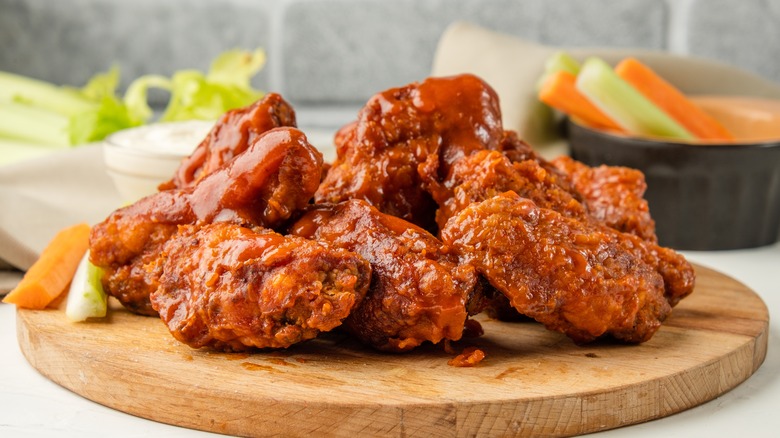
x,y
139,159
176,138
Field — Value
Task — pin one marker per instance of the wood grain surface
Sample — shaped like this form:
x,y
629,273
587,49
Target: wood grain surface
x,y
532,382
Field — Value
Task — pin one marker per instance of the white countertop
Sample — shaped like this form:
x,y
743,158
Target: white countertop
x,y
33,406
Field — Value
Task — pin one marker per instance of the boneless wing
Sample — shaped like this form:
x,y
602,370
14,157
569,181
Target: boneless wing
x,y
233,133
233,288
579,278
419,292
614,195
568,245
612,198
485,174
263,186
404,141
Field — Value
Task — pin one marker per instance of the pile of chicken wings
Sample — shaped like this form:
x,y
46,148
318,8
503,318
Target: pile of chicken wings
x,y
430,214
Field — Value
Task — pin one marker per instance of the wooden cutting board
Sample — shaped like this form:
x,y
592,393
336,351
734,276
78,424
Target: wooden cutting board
x,y
532,383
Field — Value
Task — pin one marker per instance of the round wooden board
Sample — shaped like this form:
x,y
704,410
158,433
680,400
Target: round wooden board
x,y
532,383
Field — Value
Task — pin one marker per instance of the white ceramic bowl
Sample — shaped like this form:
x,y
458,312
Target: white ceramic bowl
x,y
139,159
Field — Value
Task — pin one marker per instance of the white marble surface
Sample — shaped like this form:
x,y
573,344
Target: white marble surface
x,y
33,406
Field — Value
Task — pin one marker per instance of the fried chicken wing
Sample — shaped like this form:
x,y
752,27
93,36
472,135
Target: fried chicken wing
x,y
265,185
418,290
576,277
517,150
613,195
613,200
570,246
276,176
126,244
406,138
233,288
233,133
485,174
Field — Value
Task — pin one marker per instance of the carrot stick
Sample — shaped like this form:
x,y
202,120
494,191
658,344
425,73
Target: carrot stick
x,y
667,97
560,92
49,276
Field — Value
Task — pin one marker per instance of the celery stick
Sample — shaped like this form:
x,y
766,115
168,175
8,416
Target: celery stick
x,y
136,95
110,116
39,112
100,85
558,61
561,61
27,123
15,88
86,297
195,95
624,104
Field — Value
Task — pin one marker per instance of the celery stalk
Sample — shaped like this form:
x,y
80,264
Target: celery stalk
x,y
21,89
86,297
100,85
38,112
23,122
561,61
135,96
195,95
109,116
624,104
558,61
236,67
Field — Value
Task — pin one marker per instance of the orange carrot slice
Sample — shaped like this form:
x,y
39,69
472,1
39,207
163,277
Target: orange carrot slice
x,y
667,97
49,276
560,92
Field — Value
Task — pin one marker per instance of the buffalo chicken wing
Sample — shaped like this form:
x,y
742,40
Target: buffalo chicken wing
x,y
431,212
233,288
406,138
233,133
262,186
575,277
418,290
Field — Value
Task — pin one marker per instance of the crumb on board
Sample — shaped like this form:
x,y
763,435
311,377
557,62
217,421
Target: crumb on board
x,y
470,357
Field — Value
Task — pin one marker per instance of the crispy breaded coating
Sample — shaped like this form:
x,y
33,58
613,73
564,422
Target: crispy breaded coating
x,y
419,292
263,186
576,277
613,195
232,288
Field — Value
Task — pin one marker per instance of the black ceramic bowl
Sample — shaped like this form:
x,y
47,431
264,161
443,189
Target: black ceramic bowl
x,y
702,197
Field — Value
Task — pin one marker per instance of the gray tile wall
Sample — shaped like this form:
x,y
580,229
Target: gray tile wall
x,y
339,52
66,41
345,50
744,33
